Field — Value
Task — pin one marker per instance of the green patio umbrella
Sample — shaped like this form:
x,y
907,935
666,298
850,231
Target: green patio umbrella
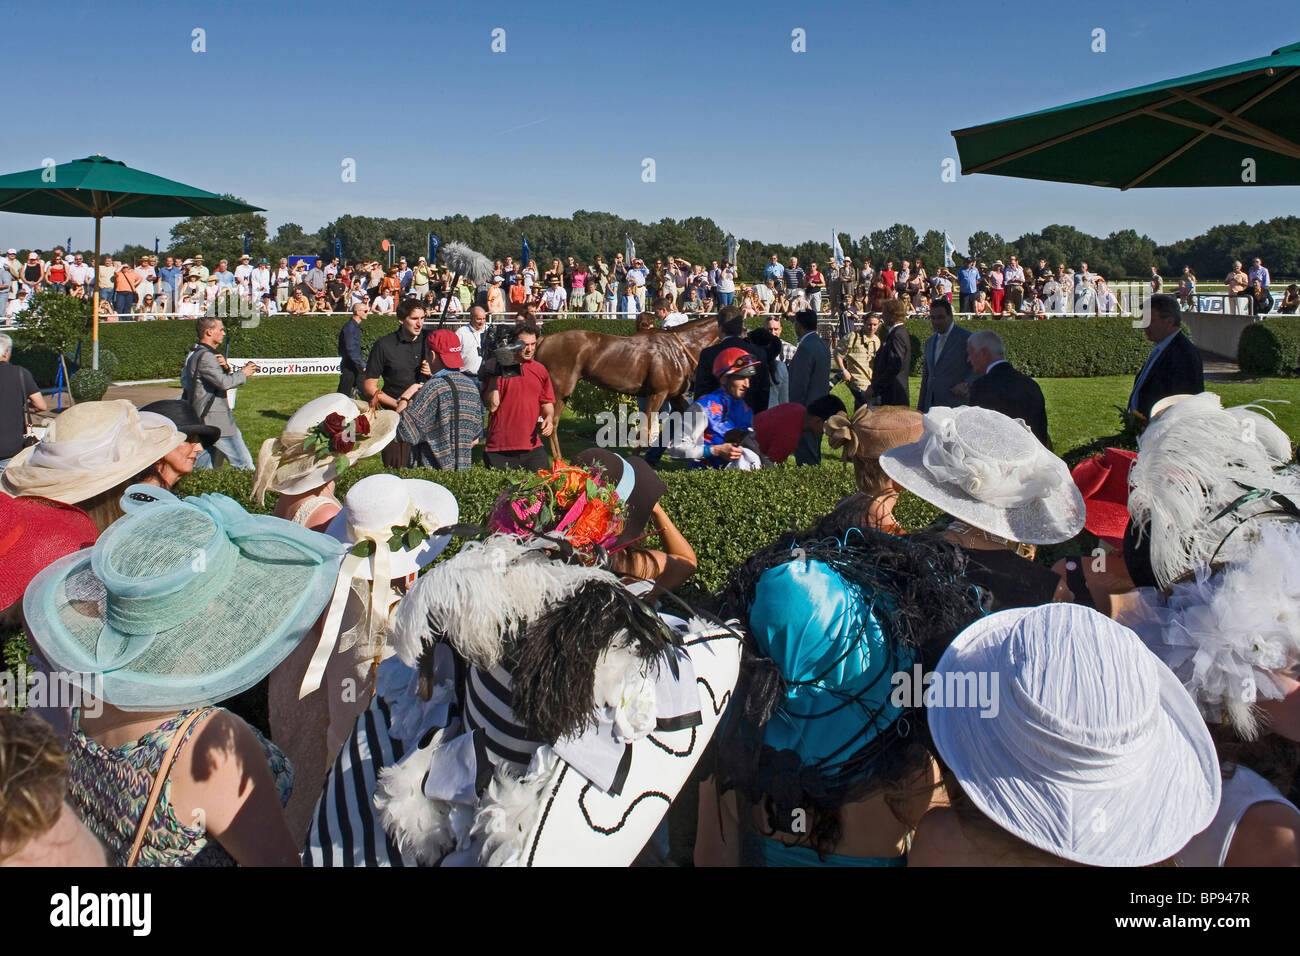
x,y
96,187
1237,125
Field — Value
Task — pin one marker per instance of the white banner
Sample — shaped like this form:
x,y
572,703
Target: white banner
x,y
291,366
286,366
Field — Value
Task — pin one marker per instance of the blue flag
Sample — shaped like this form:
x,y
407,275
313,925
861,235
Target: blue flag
x,y
155,244
433,248
836,251
245,243
523,256
338,249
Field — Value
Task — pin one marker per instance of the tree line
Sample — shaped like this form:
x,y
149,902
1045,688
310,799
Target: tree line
x,y
1121,254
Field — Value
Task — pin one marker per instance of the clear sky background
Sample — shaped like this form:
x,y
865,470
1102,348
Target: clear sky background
x,y
772,144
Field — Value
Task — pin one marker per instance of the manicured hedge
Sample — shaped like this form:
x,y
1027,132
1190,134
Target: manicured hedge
x,y
1270,348
1051,348
726,515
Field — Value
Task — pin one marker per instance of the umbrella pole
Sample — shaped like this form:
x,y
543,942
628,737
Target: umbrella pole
x,y
94,304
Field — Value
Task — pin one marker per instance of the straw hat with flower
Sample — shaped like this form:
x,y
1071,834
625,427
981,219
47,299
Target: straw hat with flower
x,y
320,441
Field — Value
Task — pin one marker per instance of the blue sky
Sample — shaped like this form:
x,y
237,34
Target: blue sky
x,y
770,143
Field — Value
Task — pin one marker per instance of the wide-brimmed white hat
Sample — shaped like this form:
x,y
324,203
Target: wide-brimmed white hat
x,y
1094,752
90,448
388,523
377,505
990,471
312,446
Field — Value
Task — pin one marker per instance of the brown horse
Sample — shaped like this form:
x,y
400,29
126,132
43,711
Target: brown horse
x,y
659,364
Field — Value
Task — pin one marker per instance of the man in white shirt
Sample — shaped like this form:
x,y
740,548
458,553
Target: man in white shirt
x,y
17,304
80,273
383,304
471,340
667,314
260,280
554,298
282,279
765,296
267,305
244,275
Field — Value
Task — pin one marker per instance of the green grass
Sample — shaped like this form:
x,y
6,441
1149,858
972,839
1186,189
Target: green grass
x,y
1079,410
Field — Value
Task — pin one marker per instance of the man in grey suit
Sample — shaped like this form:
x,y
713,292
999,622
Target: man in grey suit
x,y
204,382
810,374
947,374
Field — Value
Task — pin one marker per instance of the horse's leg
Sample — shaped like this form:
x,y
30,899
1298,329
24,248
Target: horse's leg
x,y
653,403
555,432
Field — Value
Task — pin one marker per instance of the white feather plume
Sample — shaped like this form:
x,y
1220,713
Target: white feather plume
x,y
480,596
420,827
509,808
1227,635
1195,459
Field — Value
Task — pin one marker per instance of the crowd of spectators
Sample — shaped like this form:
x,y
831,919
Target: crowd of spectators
x,y
188,287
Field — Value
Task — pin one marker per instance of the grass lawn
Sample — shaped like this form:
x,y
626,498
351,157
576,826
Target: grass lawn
x,y
1079,410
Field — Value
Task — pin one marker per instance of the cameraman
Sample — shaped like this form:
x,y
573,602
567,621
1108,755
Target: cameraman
x,y
205,380
517,396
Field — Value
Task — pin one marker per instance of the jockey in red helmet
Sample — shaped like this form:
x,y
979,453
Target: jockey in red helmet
x,y
720,413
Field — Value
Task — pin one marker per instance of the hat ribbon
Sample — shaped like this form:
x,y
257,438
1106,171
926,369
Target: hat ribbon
x,y
377,610
151,614
84,454
1002,484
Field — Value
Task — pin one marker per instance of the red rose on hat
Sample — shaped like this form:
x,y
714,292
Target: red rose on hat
x,y
363,426
335,426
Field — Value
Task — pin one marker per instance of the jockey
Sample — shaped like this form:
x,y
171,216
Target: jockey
x,y
718,428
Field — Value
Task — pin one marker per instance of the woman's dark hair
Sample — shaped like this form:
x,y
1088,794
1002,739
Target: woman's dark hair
x,y
924,585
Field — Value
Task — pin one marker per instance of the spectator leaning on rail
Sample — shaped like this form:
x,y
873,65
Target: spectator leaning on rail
x,y
205,380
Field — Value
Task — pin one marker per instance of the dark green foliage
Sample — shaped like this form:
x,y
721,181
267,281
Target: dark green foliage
x,y
108,363
726,515
88,384
1052,348
1057,348
1271,347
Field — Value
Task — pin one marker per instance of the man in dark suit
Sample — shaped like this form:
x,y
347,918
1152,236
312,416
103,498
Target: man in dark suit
x,y
892,367
1174,365
946,365
731,331
1005,389
810,373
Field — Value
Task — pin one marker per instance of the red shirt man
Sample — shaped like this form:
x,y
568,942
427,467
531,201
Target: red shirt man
x,y
516,404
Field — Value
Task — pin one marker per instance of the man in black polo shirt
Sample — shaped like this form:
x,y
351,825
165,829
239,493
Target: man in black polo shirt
x,y
398,357
17,388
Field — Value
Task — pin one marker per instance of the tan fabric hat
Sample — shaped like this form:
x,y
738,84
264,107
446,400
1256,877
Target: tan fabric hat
x,y
298,460
89,449
871,432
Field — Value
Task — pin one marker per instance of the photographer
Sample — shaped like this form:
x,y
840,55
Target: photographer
x,y
206,378
518,394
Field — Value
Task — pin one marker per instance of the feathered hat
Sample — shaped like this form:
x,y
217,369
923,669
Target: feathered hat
x,y
535,713
1205,481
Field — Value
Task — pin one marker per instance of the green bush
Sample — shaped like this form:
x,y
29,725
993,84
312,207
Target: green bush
x,y
108,363
725,515
1270,348
1052,348
88,384
1056,348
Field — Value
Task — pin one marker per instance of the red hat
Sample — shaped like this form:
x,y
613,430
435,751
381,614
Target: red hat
x,y
446,344
734,361
34,533
1103,480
